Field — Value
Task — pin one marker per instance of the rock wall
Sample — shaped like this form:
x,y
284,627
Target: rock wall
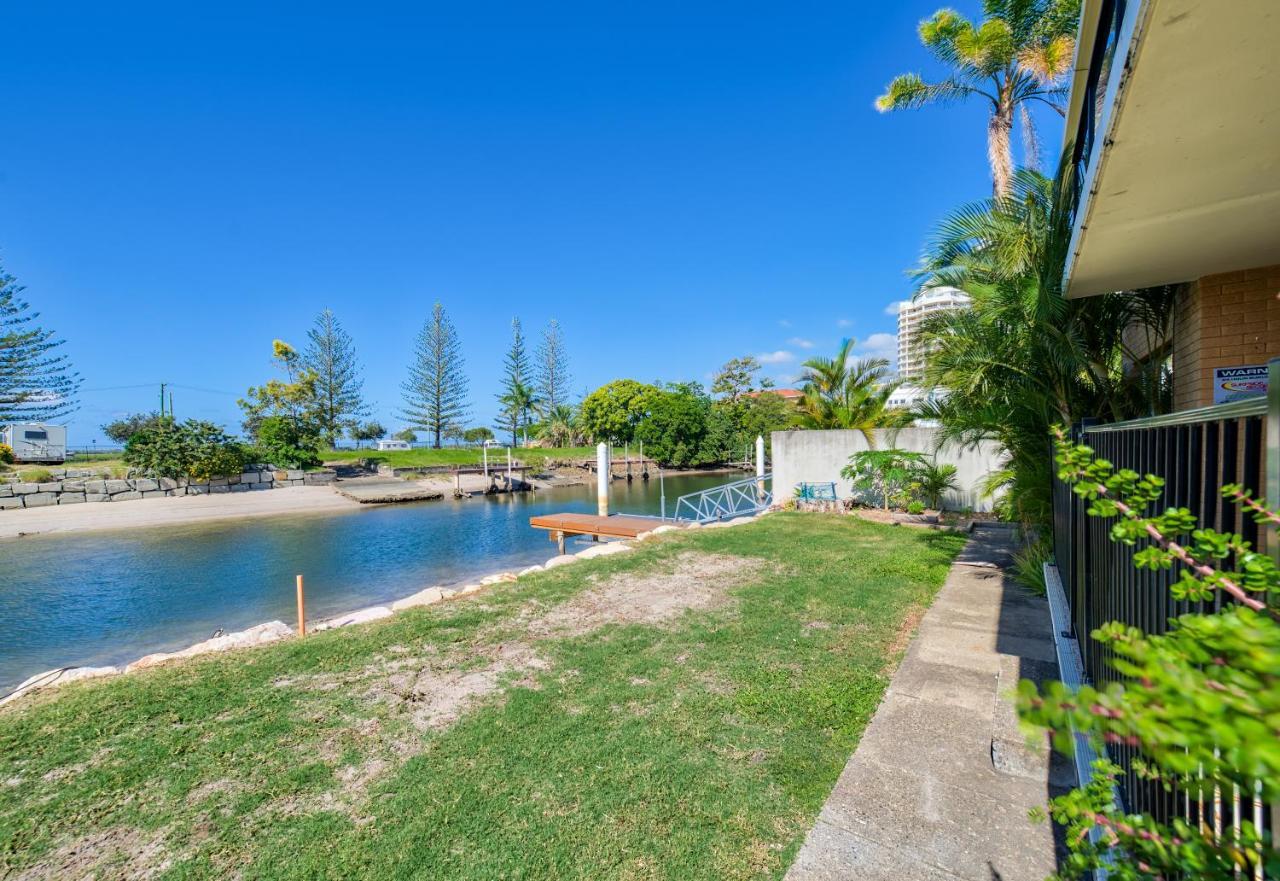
x,y
72,487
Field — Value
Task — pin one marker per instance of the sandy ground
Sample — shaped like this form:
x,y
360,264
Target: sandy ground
x,y
170,511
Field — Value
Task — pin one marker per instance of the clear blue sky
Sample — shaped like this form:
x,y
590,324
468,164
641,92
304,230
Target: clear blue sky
x,y
677,183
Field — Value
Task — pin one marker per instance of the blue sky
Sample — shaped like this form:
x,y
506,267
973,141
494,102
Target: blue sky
x,y
677,183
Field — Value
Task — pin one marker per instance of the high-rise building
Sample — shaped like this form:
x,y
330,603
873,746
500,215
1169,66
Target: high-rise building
x,y
911,313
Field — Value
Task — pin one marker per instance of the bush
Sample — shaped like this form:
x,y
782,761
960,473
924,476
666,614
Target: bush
x,y
195,449
36,475
283,444
915,506
6,454
887,475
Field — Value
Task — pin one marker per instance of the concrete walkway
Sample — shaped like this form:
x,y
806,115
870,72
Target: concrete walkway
x,y
942,780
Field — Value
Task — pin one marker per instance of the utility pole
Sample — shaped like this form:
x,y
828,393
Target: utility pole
x,y
162,385
170,405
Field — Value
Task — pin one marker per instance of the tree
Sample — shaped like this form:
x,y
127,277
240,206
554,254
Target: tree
x,y
843,392
756,416
37,383
200,450
477,435
886,474
368,431
435,394
1022,357
454,433
516,390
613,411
407,435
126,427
283,444
1016,57
933,481
676,430
294,398
735,378
519,403
560,426
331,356
553,368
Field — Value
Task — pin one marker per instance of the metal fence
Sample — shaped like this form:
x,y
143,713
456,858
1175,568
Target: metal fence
x,y
1197,452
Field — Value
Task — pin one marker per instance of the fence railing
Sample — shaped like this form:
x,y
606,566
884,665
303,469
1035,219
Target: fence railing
x,y
737,499
1197,452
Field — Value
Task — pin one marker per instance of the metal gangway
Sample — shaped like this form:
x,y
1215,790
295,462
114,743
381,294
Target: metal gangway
x,y
742,498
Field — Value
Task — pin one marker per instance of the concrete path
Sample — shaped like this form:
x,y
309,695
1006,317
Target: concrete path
x,y
942,780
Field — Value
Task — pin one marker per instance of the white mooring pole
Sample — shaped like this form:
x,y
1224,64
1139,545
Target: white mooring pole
x,y
602,478
760,466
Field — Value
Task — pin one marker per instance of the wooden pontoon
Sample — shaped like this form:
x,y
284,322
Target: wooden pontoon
x,y
617,526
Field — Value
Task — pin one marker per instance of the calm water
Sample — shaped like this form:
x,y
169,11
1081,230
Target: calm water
x,y
108,598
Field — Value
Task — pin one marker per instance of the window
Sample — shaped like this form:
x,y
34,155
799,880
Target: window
x,y
35,435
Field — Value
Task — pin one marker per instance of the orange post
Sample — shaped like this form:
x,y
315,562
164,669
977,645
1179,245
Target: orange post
x,y
302,611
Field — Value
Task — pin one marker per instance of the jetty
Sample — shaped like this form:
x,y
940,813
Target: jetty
x,y
562,526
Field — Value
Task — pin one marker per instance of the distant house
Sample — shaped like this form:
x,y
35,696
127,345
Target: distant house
x,y
787,394
393,444
36,441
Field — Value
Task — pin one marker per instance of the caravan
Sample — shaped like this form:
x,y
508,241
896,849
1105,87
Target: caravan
x,y
36,442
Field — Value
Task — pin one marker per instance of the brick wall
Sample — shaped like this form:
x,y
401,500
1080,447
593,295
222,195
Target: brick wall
x,y
1224,320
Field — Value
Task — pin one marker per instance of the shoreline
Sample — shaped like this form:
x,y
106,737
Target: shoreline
x,y
174,511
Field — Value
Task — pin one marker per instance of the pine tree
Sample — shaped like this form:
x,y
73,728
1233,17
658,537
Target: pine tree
x,y
331,355
435,394
553,368
37,382
517,396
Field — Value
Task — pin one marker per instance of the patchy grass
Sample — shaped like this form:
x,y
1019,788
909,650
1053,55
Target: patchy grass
x,y
559,727
425,456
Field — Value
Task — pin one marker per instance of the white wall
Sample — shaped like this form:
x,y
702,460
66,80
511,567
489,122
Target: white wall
x,y
817,457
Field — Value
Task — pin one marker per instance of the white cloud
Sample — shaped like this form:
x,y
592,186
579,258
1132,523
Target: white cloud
x,y
800,342
779,357
844,322
892,308
878,345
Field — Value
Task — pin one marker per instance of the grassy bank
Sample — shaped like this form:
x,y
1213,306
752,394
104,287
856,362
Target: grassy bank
x,y
677,712
425,456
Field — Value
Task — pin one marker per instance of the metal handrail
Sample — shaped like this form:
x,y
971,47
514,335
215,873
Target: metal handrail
x,y
737,499
1234,410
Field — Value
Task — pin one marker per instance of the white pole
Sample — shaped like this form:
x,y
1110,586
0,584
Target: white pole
x,y
484,446
508,469
662,494
602,478
759,466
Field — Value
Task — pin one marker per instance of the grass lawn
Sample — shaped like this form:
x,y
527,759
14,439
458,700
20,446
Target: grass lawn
x,y
679,712
457,455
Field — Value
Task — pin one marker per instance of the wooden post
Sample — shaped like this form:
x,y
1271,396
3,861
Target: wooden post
x,y
602,479
302,611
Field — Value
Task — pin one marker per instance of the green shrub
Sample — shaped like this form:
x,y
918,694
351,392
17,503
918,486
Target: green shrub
x,y
195,449
1028,566
888,475
283,444
915,506
36,475
6,454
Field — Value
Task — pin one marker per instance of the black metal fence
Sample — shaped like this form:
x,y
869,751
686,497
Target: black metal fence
x,y
1197,452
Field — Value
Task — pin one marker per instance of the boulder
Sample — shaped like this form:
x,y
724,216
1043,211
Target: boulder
x,y
118,486
604,550
358,617
73,486
95,486
51,487
168,483
125,496
260,634
249,477
470,588
6,490
56,679
530,570
71,498
562,560
25,489
241,487
39,500
97,497
498,579
421,598
214,488
10,502
145,484
217,481
198,489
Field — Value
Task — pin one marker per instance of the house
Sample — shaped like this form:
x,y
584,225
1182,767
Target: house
x,y
393,444
794,395
36,441
1174,124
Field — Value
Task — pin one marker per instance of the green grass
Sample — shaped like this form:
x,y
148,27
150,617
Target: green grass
x,y
425,456
701,747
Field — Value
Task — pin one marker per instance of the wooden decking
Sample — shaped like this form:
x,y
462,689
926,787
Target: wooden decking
x,y
616,526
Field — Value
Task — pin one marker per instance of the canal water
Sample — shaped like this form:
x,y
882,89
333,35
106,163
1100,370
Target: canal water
x,y
110,597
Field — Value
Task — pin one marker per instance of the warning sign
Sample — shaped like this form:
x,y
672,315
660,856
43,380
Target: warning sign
x,y
1238,383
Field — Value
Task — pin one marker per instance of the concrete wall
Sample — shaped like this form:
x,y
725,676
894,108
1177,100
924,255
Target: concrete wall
x,y
817,457
70,487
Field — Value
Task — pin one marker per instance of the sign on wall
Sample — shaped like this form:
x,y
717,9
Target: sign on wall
x,y
1238,383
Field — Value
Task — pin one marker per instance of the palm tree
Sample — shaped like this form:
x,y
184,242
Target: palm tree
x,y
558,426
519,402
844,392
1018,55
1023,358
934,480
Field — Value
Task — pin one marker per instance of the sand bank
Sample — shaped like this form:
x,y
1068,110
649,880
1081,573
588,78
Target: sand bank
x,y
171,511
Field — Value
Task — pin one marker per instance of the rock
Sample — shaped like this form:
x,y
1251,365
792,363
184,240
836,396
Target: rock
x,y
260,634
152,660
358,617
10,502
214,488
250,477
71,498
198,489
56,679
240,487
217,481
125,496
118,486
25,489
39,500
421,598
145,484
73,486
6,490
498,579
168,483
469,588
50,487
95,486
233,479
154,493
562,560
604,550
97,497
530,571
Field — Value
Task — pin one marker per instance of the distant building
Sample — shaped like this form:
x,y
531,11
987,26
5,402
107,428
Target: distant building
x,y
393,444
36,441
911,313
787,394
